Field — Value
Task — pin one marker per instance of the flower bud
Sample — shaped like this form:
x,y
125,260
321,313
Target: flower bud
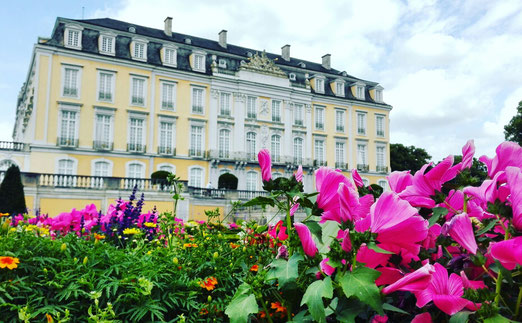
x,y
216,255
175,260
63,247
209,298
85,260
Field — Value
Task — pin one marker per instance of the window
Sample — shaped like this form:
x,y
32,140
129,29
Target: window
x,y
169,56
166,135
251,107
198,62
359,92
137,91
224,143
196,177
379,125
298,150
362,158
319,85
339,120
298,114
319,153
68,125
71,86
167,168
251,145
139,51
106,44
101,168
340,153
361,123
381,161
275,145
197,100
319,118
378,95
73,37
251,181
66,167
276,111
224,104
382,183
135,170
136,138
167,95
339,88
103,132
366,182
105,86
196,141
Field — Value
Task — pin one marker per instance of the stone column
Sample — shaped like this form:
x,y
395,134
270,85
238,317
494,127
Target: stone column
x,y
238,132
212,122
308,124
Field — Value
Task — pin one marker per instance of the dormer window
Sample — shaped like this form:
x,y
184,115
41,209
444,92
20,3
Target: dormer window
x,y
292,76
378,94
339,88
73,37
358,90
169,56
222,63
106,44
139,50
198,61
319,85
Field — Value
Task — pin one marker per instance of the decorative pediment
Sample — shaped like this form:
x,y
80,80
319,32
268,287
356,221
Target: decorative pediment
x,y
262,64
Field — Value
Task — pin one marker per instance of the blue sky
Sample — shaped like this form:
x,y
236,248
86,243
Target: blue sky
x,y
451,69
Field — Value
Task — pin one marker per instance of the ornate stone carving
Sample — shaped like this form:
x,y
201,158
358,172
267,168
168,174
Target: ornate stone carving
x,y
263,110
308,108
264,136
262,64
214,93
239,97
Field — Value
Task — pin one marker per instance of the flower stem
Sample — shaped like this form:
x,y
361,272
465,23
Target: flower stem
x,y
498,287
289,228
266,311
519,299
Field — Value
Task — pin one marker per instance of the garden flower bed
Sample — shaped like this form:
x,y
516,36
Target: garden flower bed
x,y
440,246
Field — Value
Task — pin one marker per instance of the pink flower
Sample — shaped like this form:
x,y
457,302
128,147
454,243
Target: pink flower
x,y
299,174
508,252
508,154
461,230
232,225
295,206
412,282
433,234
278,231
346,243
487,192
325,267
357,178
389,275
305,236
454,203
371,258
422,318
473,284
327,183
265,162
446,293
398,181
514,181
379,319
467,154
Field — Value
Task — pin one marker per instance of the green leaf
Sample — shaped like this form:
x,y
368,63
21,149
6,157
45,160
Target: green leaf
x,y
460,317
314,228
497,319
361,284
313,298
285,271
378,249
348,310
486,228
391,308
242,305
437,213
260,200
329,230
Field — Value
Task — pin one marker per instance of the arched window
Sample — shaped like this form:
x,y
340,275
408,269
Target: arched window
x,y
276,148
251,145
224,143
382,183
298,150
101,168
167,168
5,164
251,181
136,170
196,177
65,167
366,182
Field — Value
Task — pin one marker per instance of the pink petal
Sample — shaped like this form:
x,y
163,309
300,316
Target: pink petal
x,y
348,202
437,173
299,174
473,284
508,252
398,181
346,245
305,235
461,230
412,282
389,211
371,258
467,154
449,304
508,154
265,162
422,318
357,178
389,275
514,181
325,267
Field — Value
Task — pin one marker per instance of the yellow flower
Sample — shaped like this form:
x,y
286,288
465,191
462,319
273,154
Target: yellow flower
x,y
130,231
149,224
31,227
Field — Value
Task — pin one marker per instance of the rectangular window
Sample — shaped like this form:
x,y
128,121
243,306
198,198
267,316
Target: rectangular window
x,y
340,153
138,91
136,130
169,57
319,85
101,169
361,123
65,167
224,104
68,126
378,95
167,95
224,143
359,92
251,181
70,82
379,125
251,146
319,118
298,114
339,89
197,100
139,50
276,111
298,151
196,177
251,107
165,138
339,120
73,38
381,167
362,158
196,141
199,63
105,86
319,153
276,148
107,44
102,137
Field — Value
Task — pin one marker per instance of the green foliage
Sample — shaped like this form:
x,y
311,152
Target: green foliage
x,y
160,174
407,158
513,130
285,271
227,181
313,298
12,199
361,284
242,305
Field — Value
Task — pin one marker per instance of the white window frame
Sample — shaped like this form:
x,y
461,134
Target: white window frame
x,y
163,84
112,39
340,120
225,104
319,84
72,28
298,159
339,88
382,123
95,161
171,121
74,165
202,179
203,92
359,90
377,148
320,150
379,95
365,157
202,144
224,150
251,186
276,106
251,148
222,63
299,114
105,112
79,70
163,165
384,184
196,55
69,108
361,126
276,153
142,42
143,167
173,62
340,158
319,117
112,86
131,92
142,117
251,107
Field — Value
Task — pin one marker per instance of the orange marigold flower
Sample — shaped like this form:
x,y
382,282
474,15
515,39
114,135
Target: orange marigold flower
x,y
233,245
203,311
49,318
3,214
262,314
278,307
254,268
99,236
9,262
209,284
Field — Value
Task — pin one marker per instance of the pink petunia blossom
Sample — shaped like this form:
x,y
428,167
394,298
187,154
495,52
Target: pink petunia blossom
x,y
265,162
299,174
508,252
467,154
412,282
307,241
514,182
398,181
325,267
507,154
357,178
461,230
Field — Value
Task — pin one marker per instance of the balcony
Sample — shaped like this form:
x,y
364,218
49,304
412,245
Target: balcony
x,y
340,165
380,133
102,145
103,96
298,160
67,142
319,162
10,145
361,131
166,151
167,105
363,167
319,125
225,154
339,128
69,91
251,156
381,169
276,158
224,113
136,148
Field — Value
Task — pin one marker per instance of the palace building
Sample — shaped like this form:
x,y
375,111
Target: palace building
x,y
108,99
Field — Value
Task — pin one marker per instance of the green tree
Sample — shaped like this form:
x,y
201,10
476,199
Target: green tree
x,y
513,130
12,199
407,158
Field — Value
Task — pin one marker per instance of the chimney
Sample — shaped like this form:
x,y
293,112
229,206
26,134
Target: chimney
x,y
223,38
168,26
285,52
326,61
